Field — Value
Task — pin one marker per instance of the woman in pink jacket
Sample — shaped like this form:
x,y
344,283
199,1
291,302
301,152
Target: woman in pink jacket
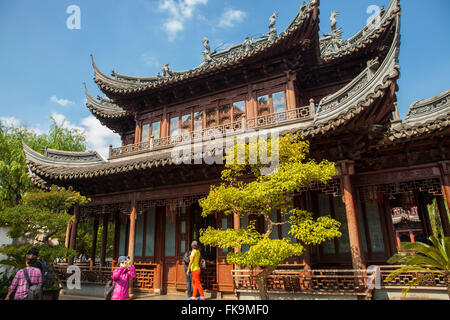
x,y
121,275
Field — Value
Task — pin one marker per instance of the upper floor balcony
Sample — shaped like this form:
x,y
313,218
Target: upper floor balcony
x,y
241,126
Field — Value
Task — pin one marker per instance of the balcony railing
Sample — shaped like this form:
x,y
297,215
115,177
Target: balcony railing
x,y
241,126
311,282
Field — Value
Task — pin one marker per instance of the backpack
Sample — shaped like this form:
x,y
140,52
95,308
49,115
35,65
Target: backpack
x,y
187,257
109,289
34,289
48,277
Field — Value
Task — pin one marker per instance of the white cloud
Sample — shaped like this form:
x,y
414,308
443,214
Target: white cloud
x,y
230,17
98,137
10,121
179,11
16,123
61,120
61,102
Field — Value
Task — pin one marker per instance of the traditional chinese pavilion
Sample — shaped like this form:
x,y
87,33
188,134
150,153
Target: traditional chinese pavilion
x,y
338,94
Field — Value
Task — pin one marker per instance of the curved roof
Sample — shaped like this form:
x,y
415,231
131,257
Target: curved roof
x,y
358,97
102,107
424,117
333,46
333,111
241,53
67,159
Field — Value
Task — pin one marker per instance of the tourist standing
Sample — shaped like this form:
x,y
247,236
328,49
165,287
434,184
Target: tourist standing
x,y
24,279
188,273
121,277
194,267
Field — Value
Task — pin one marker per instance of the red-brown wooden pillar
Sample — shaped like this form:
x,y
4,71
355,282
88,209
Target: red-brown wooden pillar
x,y
104,239
117,223
74,230
445,180
237,226
291,101
346,169
94,240
131,239
443,214
137,133
67,241
251,108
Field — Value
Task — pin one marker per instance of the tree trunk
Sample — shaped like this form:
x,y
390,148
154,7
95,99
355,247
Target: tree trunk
x,y
262,282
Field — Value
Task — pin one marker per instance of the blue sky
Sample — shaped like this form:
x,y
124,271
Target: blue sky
x,y
44,64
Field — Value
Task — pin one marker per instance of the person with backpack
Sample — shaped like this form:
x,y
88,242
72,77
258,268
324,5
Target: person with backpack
x,y
27,283
188,273
47,274
194,267
121,277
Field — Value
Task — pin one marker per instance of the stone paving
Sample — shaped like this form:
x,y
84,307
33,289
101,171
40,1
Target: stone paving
x,y
140,296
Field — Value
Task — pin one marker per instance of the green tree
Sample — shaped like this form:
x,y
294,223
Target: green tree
x,y
432,260
27,212
244,191
39,218
14,179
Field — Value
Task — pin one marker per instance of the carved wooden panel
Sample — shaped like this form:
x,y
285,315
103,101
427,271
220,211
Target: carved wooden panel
x,y
432,186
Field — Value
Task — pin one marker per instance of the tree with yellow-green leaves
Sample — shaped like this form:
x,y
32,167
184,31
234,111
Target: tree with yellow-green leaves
x,y
244,191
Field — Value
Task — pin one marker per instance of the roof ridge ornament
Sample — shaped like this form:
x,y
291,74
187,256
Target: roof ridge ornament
x,y
207,54
166,71
273,34
333,21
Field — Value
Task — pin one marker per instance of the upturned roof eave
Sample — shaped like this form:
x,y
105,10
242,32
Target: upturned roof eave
x,y
111,86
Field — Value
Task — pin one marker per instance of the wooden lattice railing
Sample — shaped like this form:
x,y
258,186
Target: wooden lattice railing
x,y
236,127
403,279
331,282
145,274
95,275
319,282
208,277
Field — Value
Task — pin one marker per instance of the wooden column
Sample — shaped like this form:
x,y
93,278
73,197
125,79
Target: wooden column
x,y
74,230
67,240
94,240
131,239
104,239
116,236
443,214
250,111
291,101
164,124
445,180
137,133
346,169
236,226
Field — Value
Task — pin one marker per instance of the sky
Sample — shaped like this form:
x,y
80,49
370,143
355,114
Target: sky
x,y
46,47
